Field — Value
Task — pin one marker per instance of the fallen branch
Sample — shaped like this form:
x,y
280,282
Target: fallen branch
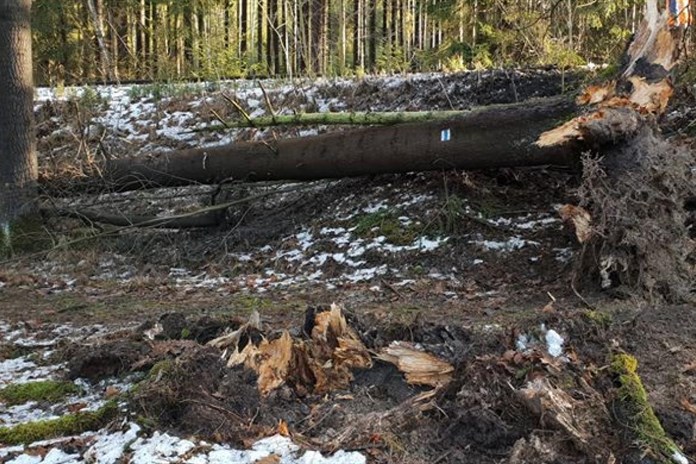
x,y
203,217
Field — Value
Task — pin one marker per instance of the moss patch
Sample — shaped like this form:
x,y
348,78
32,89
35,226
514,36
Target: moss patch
x,y
47,390
635,411
386,223
599,318
27,234
71,424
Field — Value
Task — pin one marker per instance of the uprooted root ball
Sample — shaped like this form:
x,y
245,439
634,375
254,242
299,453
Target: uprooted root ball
x,y
638,196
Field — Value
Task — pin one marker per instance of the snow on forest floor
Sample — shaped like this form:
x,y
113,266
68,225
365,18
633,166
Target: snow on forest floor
x,y
126,440
383,234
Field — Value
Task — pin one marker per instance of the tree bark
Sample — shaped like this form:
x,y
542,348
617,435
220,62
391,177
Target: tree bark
x,y
96,11
489,137
359,118
18,166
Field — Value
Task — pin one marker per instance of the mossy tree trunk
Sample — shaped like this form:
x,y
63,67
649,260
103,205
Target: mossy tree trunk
x,y
18,166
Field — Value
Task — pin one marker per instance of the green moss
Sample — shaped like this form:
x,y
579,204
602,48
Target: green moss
x,y
71,424
599,318
27,234
160,369
185,333
47,390
636,412
387,224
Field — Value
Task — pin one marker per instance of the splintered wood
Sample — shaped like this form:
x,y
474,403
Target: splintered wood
x,y
556,409
649,59
318,365
579,220
419,367
323,361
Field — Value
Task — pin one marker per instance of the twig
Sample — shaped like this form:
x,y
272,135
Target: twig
x,y
584,301
233,414
219,118
391,287
239,108
271,111
323,418
150,222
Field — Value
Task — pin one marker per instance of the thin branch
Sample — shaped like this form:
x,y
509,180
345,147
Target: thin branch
x,y
150,223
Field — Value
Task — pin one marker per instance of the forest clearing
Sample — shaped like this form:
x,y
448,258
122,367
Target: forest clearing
x,y
506,277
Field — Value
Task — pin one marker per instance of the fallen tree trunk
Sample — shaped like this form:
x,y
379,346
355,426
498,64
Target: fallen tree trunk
x,y
358,118
537,132
490,137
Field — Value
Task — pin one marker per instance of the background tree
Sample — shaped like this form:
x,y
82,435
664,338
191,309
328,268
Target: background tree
x,y
209,39
18,167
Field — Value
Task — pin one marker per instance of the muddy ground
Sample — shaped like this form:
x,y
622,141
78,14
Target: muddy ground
x,y
475,268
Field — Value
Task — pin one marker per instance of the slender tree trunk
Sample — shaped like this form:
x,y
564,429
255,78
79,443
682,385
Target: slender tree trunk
x,y
243,27
18,166
226,24
372,36
65,56
305,30
96,10
357,31
317,40
260,56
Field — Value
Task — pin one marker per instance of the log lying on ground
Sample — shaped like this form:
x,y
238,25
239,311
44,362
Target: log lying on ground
x,y
357,118
526,134
490,137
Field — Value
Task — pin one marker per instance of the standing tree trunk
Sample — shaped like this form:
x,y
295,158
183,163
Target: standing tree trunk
x,y
18,166
96,10
243,22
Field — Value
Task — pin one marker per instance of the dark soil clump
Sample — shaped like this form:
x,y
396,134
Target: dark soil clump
x,y
110,359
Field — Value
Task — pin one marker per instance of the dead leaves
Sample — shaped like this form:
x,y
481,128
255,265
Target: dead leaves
x,y
419,367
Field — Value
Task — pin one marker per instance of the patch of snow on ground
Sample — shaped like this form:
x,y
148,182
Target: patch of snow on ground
x,y
512,244
554,343
22,370
114,447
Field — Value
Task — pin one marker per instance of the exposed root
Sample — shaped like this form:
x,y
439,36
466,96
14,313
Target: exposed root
x,y
637,196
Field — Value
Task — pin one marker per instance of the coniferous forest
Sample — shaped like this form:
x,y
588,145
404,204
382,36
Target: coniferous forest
x,y
122,40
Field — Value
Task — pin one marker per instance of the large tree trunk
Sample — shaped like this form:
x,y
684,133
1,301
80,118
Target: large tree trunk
x,y
18,167
489,137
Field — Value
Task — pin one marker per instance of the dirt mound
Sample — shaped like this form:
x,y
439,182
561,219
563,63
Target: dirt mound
x,y
639,198
510,399
113,358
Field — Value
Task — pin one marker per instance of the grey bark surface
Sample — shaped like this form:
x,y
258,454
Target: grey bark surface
x,y
18,166
490,137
